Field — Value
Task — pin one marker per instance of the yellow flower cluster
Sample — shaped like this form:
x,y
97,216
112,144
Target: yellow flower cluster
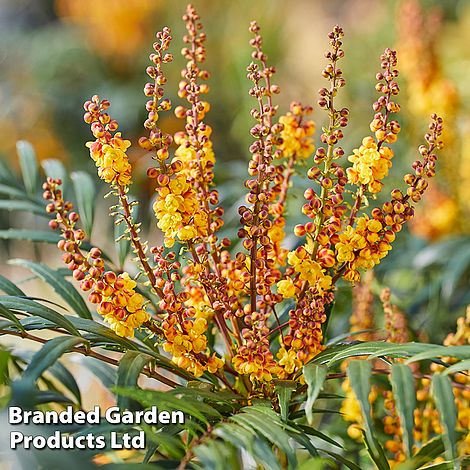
x,y
370,165
296,135
288,361
258,365
363,246
185,340
193,165
308,269
198,302
177,211
112,160
121,306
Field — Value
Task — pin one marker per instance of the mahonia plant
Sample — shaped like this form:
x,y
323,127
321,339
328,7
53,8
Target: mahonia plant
x,y
426,419
238,294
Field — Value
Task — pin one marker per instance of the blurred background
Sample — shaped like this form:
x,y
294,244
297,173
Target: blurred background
x,y
55,54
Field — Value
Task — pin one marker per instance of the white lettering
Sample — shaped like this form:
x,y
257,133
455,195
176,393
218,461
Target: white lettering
x,y
15,415
112,415
114,441
164,417
15,438
177,417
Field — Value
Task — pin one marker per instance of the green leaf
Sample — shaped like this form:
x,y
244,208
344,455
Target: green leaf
x,y
376,451
104,333
314,432
39,236
63,287
29,166
441,466
48,355
216,455
6,174
314,376
85,193
427,453
55,169
105,373
170,401
445,404
130,366
341,459
24,206
359,373
11,191
316,463
284,389
9,288
432,449
35,308
5,357
249,440
269,427
403,386
63,375
31,235
5,313
460,352
457,367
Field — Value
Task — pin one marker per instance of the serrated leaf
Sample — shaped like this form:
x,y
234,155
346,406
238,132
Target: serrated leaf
x,y
284,389
314,376
403,386
48,355
445,403
130,366
29,166
85,193
35,308
60,285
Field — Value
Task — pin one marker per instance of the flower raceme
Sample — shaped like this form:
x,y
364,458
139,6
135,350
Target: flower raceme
x,y
235,294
